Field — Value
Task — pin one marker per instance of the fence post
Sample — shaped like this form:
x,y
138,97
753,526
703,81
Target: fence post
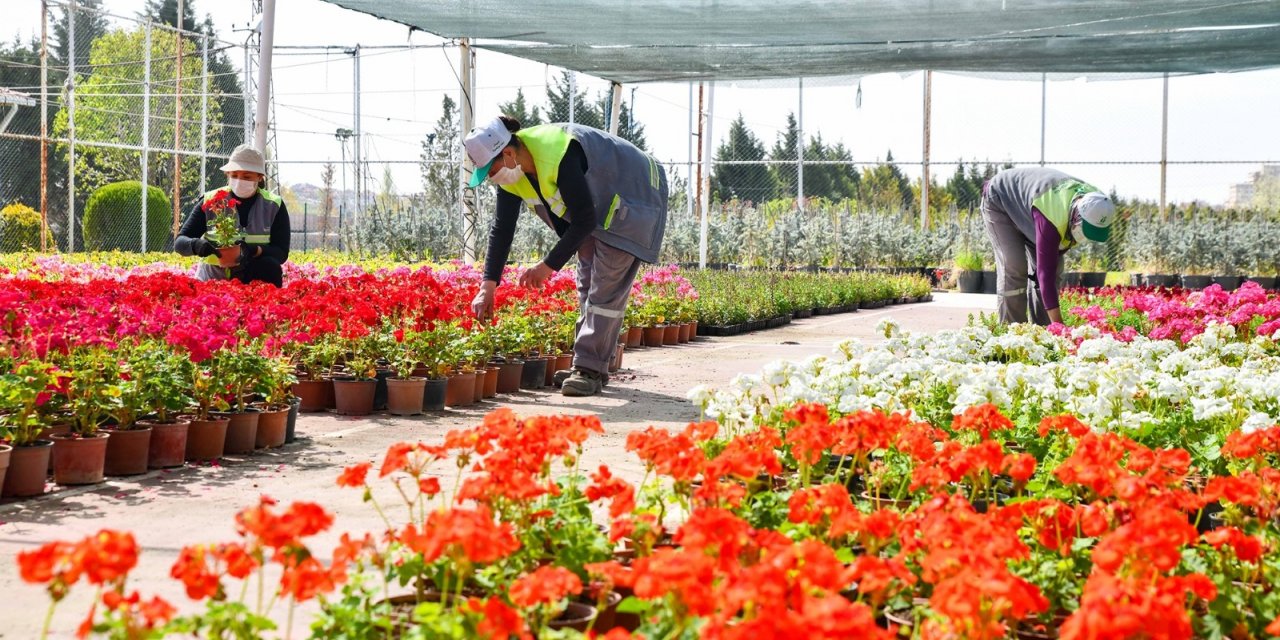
x,y
44,125
706,175
204,117
800,149
689,190
924,175
146,129
306,243
1164,148
71,128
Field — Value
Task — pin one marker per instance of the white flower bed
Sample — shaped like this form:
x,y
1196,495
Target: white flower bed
x,y
1214,384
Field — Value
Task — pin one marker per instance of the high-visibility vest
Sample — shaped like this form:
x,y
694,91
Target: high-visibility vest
x,y
628,186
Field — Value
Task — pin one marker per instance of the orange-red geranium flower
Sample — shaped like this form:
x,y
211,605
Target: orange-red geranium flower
x,y
546,585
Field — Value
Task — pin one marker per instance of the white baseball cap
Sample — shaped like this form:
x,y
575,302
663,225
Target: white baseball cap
x,y
483,144
246,158
1097,212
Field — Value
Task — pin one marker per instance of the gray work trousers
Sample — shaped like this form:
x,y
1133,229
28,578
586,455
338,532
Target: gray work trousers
x,y
605,276
1016,285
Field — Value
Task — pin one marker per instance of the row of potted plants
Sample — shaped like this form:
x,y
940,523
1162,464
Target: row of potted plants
x,y
812,523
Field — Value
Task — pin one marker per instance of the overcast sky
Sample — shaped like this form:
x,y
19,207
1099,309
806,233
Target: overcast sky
x,y
1211,118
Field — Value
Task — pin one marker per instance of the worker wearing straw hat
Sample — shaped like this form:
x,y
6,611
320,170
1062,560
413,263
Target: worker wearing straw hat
x,y
263,222
605,198
1033,216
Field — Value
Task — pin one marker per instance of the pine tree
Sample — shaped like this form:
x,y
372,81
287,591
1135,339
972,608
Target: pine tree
x,y
90,25
326,201
741,181
585,112
520,110
166,11
439,161
785,151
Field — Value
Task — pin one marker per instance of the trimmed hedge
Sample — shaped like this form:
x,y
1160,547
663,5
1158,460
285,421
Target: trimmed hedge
x,y
20,229
113,214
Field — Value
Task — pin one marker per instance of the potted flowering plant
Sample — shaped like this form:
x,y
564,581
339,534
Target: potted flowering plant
x,y
207,433
275,385
128,442
354,395
244,371
23,392
162,376
405,390
316,360
93,392
224,227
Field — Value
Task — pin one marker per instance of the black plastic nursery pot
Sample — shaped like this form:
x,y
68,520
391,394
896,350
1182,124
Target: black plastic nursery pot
x,y
1162,280
1093,279
1228,283
970,281
989,282
1196,282
1266,282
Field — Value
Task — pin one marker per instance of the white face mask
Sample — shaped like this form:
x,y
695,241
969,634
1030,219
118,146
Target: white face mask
x,y
506,175
242,188
1077,232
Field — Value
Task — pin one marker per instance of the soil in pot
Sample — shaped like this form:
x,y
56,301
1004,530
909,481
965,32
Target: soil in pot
x,y
576,616
314,394
168,446
405,396
635,337
653,336
273,423
206,438
461,390
671,335
509,373
433,394
28,470
534,374
354,397
491,381
127,451
79,459
242,431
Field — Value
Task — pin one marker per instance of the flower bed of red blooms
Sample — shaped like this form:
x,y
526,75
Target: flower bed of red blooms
x,y
43,316
762,534
1175,314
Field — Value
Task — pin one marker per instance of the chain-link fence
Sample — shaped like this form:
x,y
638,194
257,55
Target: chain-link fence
x,y
803,173
129,102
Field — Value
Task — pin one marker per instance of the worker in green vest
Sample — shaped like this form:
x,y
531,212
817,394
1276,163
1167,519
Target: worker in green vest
x,y
1033,216
606,200
263,221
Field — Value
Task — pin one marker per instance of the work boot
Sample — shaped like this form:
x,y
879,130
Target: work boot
x,y
560,376
582,382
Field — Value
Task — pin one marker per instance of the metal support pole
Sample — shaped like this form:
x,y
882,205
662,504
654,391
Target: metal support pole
x,y
1164,149
306,237
265,43
204,117
706,174
71,128
467,198
800,147
615,110
177,121
573,95
248,114
357,155
924,176
689,190
44,124
1044,105
146,133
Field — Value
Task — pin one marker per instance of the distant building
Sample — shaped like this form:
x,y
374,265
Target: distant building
x,y
1241,194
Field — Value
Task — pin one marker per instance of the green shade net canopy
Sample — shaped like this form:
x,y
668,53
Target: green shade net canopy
x,y
634,41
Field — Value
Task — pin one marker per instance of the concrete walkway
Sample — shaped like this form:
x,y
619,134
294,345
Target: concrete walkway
x,y
169,509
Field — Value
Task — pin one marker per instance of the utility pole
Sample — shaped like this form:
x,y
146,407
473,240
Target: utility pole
x,y
342,135
467,197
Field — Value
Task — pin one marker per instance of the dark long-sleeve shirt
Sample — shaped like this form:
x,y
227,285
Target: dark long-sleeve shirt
x,y
196,225
1047,254
573,229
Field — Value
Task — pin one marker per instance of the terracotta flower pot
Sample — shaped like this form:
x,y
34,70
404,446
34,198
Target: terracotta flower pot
x,y
433,394
206,439
461,390
654,336
491,381
635,337
28,470
686,332
229,256
47,434
79,459
242,431
477,390
5,451
272,427
168,443
354,397
404,396
127,451
534,375
671,335
564,362
314,394
549,376
616,362
693,331
509,373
